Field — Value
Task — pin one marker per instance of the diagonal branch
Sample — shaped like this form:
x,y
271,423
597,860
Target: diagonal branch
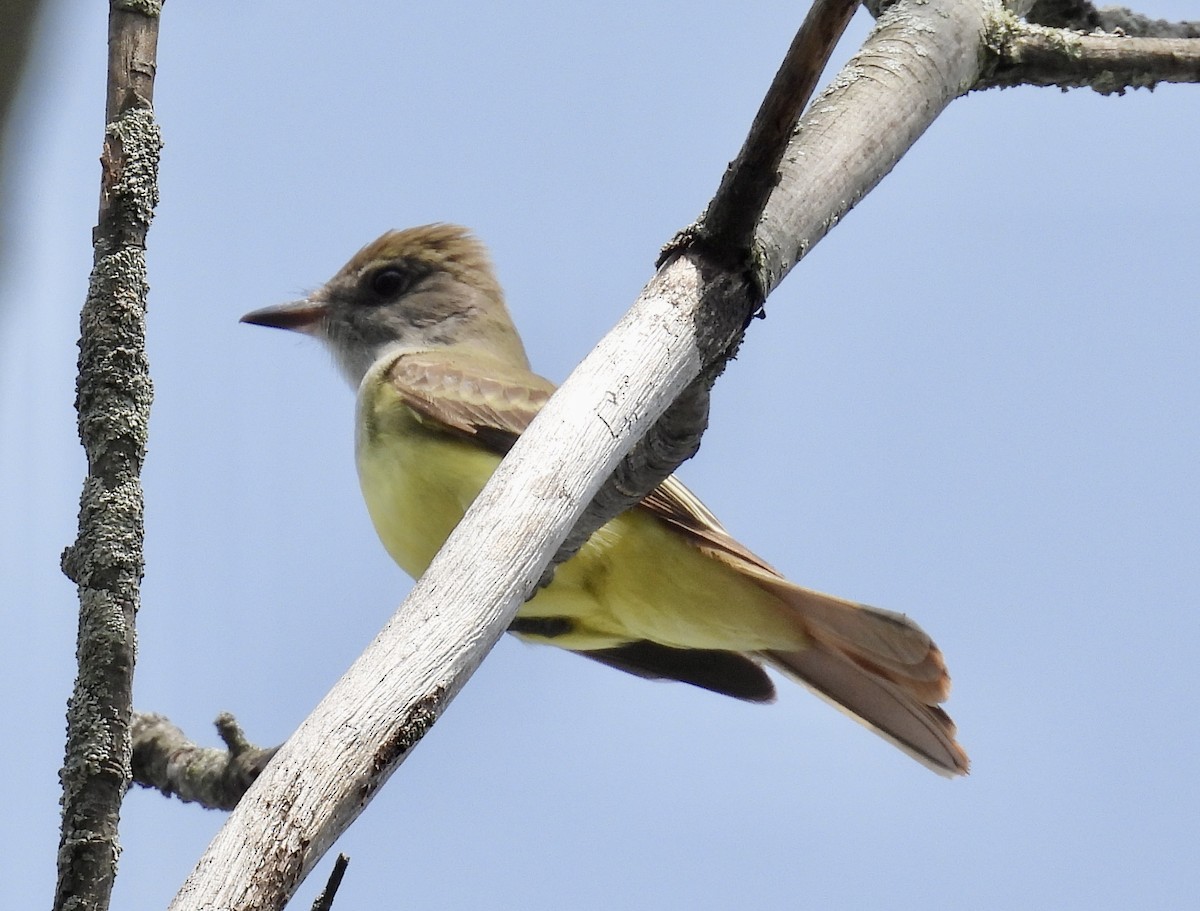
x,y
727,227
920,57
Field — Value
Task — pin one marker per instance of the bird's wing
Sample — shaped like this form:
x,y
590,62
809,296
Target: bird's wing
x,y
678,507
469,393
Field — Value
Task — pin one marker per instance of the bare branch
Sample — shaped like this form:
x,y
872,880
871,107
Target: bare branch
x,y
1109,64
329,770
16,34
16,37
919,58
165,760
1082,15
324,901
726,230
113,396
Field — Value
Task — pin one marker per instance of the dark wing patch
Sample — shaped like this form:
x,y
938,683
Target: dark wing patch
x,y
729,673
542,627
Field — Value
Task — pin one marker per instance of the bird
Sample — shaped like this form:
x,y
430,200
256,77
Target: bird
x,y
418,324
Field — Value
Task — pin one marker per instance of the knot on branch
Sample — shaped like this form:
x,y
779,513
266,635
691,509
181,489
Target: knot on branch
x,y
129,177
107,554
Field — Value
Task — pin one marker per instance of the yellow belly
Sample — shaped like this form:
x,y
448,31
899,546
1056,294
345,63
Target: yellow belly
x,y
635,578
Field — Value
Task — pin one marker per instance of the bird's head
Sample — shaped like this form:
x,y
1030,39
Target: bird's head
x,y
425,287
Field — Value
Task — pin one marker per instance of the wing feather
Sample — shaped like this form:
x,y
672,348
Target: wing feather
x,y
469,393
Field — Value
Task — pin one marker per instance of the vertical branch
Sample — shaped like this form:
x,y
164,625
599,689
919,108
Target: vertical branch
x,y
113,394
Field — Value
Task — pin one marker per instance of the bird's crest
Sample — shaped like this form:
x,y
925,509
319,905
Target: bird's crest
x,y
440,247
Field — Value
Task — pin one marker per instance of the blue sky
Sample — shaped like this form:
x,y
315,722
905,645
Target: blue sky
x,y
974,402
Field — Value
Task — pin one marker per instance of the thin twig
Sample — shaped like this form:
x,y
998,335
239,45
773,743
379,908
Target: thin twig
x,y
727,227
722,240
324,901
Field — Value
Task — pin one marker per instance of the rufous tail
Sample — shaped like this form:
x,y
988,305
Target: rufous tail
x,y
878,667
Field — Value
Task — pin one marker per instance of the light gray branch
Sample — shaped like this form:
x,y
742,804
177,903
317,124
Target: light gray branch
x,y
324,776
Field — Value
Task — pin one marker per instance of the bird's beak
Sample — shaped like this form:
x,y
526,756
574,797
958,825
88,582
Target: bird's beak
x,y
300,316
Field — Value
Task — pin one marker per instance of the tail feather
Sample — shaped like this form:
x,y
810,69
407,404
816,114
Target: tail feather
x,y
881,642
877,666
923,731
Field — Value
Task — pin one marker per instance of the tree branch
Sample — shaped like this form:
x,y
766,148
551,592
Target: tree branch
x,y
16,37
726,229
165,760
324,901
17,19
1035,55
113,396
1082,15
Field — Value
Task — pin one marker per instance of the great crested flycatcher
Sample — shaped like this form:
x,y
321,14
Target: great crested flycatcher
x,y
417,322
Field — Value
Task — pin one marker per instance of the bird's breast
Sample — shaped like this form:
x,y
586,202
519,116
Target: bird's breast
x,y
417,481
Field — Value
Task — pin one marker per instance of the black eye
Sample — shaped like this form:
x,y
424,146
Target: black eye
x,y
388,282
